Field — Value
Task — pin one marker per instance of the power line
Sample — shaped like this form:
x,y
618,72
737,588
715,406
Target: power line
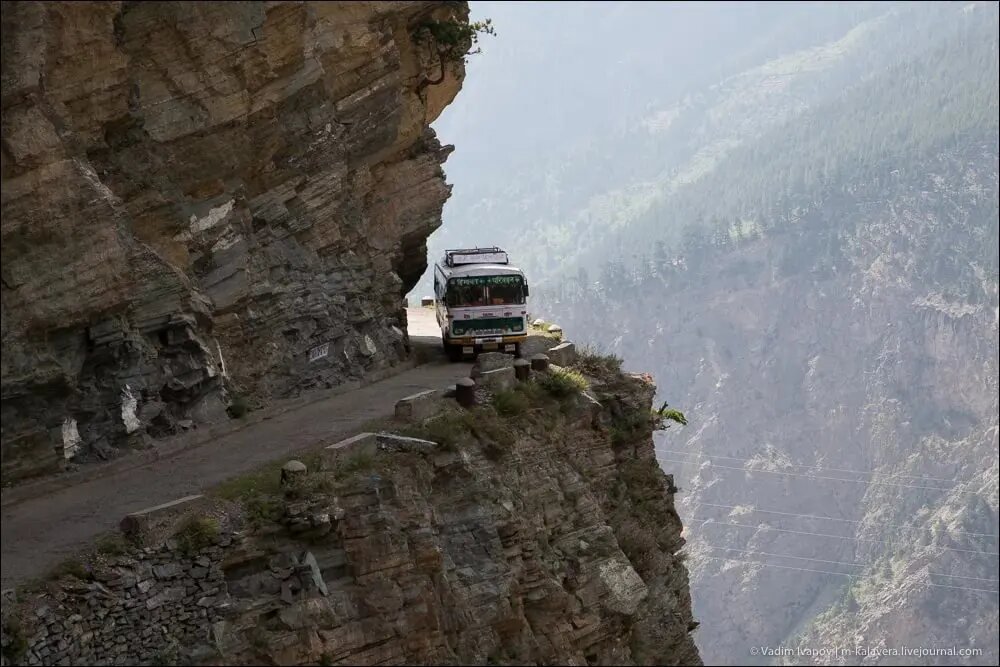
x,y
836,479
959,576
840,562
765,553
818,467
839,574
830,518
713,522
961,588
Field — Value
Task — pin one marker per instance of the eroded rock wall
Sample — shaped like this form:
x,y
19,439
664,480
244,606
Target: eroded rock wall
x,y
206,198
545,537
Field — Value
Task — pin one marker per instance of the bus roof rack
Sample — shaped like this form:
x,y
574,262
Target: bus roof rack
x,y
458,256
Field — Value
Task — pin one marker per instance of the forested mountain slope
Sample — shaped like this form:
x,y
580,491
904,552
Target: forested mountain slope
x,y
805,254
832,333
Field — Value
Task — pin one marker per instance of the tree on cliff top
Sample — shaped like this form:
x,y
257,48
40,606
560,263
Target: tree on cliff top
x,y
453,41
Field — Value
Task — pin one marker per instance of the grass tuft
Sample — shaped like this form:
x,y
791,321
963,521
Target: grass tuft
x,y
563,383
196,533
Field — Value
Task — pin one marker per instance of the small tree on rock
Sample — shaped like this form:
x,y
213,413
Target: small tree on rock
x,y
452,41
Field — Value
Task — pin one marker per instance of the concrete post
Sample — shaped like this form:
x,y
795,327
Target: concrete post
x,y
522,369
539,362
465,392
292,472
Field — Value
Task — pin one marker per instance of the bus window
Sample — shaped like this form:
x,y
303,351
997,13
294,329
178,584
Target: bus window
x,y
463,296
502,295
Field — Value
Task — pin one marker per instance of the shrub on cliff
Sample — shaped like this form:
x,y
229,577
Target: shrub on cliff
x,y
511,402
452,42
238,406
196,533
593,361
563,383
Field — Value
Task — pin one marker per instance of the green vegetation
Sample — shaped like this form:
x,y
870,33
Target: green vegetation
x,y
593,361
196,533
511,402
238,406
266,481
665,414
355,463
452,428
563,383
453,41
259,510
17,642
71,567
112,544
261,495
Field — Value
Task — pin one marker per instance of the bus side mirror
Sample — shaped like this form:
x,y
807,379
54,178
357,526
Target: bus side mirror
x,y
526,290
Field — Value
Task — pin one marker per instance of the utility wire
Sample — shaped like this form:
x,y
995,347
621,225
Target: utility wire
x,y
836,479
818,467
829,518
712,522
839,574
840,562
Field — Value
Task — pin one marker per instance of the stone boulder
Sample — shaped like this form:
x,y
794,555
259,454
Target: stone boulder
x,y
155,523
497,379
536,344
490,361
419,406
563,354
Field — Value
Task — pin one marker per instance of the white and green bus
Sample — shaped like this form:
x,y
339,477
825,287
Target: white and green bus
x,y
481,302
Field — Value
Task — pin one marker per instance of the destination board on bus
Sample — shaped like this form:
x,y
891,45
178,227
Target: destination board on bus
x,y
477,281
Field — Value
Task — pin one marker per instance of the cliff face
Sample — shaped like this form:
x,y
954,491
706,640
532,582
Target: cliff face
x,y
840,472
201,198
528,530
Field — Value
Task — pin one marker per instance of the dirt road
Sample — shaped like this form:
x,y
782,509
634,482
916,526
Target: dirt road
x,y
40,532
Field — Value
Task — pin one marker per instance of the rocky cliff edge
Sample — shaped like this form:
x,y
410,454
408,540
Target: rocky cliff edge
x,y
532,528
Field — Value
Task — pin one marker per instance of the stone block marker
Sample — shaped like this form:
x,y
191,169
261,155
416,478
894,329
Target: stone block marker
x,y
536,344
363,443
498,379
293,472
390,442
522,369
555,329
161,521
419,406
490,361
465,392
563,354
540,363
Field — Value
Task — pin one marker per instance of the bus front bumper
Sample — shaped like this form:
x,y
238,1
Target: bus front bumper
x,y
471,345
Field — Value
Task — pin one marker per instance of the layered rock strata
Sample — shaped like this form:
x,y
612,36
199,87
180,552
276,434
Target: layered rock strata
x,y
207,200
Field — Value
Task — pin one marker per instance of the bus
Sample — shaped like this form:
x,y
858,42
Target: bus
x,y
480,301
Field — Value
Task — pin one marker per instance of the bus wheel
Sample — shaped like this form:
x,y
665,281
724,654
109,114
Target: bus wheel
x,y
454,352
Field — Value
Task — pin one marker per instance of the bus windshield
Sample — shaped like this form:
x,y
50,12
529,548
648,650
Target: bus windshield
x,y
485,291
506,294
465,295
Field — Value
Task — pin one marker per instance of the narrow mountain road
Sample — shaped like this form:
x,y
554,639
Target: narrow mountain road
x,y
39,532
